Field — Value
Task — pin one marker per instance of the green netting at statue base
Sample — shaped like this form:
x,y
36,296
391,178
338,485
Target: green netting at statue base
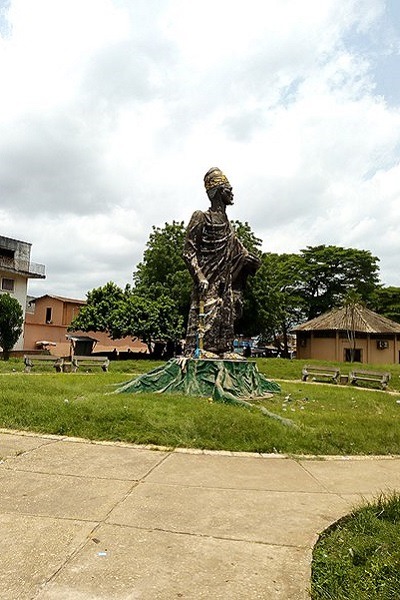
x,y
223,380
235,382
231,381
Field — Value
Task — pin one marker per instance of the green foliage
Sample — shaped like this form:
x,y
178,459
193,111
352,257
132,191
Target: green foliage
x,y
359,557
126,313
150,320
286,290
155,308
330,272
96,315
11,323
339,420
386,301
163,270
248,238
273,299
163,255
291,288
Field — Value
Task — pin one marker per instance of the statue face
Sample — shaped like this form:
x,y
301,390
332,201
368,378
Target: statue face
x,y
226,195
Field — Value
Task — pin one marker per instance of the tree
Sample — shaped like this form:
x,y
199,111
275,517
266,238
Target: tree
x,y
290,288
163,270
330,272
151,320
101,302
248,238
274,302
122,313
351,302
386,301
11,323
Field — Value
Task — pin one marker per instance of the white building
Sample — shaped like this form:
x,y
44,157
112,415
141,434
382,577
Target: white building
x,y
15,270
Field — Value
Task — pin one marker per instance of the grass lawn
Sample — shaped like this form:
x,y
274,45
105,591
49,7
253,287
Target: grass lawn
x,y
329,419
358,558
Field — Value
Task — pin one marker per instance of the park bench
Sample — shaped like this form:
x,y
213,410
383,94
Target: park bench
x,y
332,373
89,361
382,378
31,359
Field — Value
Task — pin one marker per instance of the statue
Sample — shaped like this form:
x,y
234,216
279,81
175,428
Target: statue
x,y
219,265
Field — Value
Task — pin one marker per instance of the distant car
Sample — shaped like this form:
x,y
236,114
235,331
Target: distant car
x,y
264,352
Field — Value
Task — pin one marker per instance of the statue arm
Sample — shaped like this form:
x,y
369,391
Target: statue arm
x,y
253,263
244,264
191,250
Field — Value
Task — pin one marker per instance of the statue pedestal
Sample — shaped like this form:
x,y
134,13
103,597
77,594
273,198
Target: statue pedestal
x,y
233,381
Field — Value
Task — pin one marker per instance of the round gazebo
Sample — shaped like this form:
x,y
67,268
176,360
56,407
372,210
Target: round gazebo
x,y
349,332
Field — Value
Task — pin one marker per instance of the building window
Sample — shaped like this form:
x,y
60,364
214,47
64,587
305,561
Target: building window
x,y
7,253
357,355
7,284
49,314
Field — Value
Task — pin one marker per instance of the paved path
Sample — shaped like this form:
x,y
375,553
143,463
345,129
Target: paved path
x,y
97,521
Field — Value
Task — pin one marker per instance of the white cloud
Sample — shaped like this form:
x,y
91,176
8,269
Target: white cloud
x,y
112,111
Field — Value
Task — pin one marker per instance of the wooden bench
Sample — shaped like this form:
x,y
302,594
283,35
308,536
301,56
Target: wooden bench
x,y
31,359
89,361
382,378
331,373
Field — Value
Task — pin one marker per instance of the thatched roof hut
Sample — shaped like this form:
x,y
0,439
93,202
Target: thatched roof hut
x,y
331,336
357,318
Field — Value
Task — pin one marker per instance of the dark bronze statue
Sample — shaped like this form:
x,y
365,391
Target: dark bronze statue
x,y
219,265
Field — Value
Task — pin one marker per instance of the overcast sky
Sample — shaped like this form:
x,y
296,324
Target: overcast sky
x,y
112,111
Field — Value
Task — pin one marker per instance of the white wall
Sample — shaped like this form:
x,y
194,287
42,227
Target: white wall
x,y
20,290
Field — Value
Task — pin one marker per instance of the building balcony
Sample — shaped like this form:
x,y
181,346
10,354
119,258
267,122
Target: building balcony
x,y
23,267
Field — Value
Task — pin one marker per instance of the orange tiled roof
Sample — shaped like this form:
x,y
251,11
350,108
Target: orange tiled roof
x,y
61,298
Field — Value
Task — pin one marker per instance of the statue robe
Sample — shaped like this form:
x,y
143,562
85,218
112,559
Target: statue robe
x,y
213,251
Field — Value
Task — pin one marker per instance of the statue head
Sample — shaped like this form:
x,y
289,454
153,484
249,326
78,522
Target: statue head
x,y
217,185
215,178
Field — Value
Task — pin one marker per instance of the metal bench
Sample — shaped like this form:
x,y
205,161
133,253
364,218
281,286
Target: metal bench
x,y
31,359
89,361
382,378
332,373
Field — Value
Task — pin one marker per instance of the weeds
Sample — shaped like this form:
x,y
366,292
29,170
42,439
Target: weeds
x,y
358,558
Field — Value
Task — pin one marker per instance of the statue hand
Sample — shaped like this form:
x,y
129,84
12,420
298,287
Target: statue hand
x,y
253,263
254,259
203,285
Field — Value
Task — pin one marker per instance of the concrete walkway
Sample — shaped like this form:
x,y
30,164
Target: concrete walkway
x,y
98,521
